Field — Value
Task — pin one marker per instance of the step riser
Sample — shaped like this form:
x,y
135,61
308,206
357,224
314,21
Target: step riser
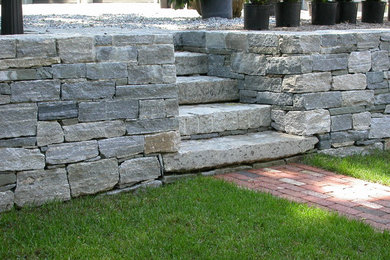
x,y
191,63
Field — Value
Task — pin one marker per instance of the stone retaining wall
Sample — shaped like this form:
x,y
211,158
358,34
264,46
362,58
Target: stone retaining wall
x,y
331,84
84,114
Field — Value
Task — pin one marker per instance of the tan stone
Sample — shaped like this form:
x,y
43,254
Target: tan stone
x,y
387,144
167,142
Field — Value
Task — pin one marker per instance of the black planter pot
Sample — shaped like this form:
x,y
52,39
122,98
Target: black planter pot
x,y
164,4
256,17
346,12
217,8
11,17
288,14
323,13
373,12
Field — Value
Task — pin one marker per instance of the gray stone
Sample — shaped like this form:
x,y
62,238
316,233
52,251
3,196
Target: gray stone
x,y
193,39
20,74
346,110
121,147
349,82
312,82
188,63
163,38
95,130
7,178
5,89
318,100
76,49
39,90
289,65
49,133
350,150
219,65
106,70
71,152
271,98
44,73
8,48
216,40
382,85
366,41
361,121
149,126
57,110
380,127
387,110
359,61
109,53
341,122
338,43
230,150
152,74
158,108
103,40
349,136
277,117
5,99
156,54
18,120
237,41
261,83
330,62
167,142
69,71
23,63
147,91
248,63
307,122
108,110
36,47
6,201
7,187
382,99
41,186
19,159
294,44
248,96
137,170
88,90
92,177
358,98
24,142
263,43
380,60
132,39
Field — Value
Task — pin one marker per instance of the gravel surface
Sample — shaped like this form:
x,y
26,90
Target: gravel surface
x,y
105,18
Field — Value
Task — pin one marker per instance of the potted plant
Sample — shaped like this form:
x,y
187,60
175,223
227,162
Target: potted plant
x,y
346,11
237,7
208,8
288,13
256,15
323,12
373,11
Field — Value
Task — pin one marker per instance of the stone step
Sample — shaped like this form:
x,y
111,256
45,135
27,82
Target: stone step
x,y
222,117
212,153
191,63
206,89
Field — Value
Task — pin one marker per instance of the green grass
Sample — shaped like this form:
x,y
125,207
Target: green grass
x,y
374,167
203,218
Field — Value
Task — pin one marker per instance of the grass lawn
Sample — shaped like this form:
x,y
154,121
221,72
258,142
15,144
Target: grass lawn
x,y
203,218
374,167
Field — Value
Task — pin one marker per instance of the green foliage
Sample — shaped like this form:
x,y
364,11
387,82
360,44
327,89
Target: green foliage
x,y
179,4
257,2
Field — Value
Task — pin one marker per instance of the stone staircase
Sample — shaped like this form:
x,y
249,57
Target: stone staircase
x,y
216,130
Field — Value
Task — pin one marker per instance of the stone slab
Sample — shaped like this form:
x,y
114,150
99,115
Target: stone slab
x,y
88,90
18,120
57,110
95,130
39,90
121,147
380,127
307,122
108,110
71,152
167,142
49,133
189,63
20,159
137,170
6,201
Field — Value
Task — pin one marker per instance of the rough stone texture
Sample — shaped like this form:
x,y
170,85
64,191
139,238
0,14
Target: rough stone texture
x,y
271,98
357,98
248,63
380,60
341,122
76,49
36,47
263,43
350,150
8,48
158,108
39,90
5,89
71,152
350,82
387,110
219,65
157,91
366,41
41,186
289,65
6,201
307,122
49,133
156,54
18,120
361,121
19,159
57,110
348,136
108,110
260,83
382,99
110,53
92,177
19,74
151,74
293,44
88,90
137,170
95,130
380,127
277,117
237,41
346,110
106,70
216,40
69,71
167,142
121,147
7,178
359,61
188,63
330,62
230,150
312,82
149,126
25,142
317,100
5,99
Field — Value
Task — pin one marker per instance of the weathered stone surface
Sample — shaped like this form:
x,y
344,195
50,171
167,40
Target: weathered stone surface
x,y
158,108
193,39
44,73
69,71
366,41
147,91
88,90
5,99
248,63
103,40
346,110
8,48
38,90
277,117
341,122
41,186
36,47
5,89
109,53
348,136
152,74
18,120
57,110
338,43
382,99
106,70
263,43
380,60
156,54
237,41
229,150
387,110
49,133
219,65
25,142
188,63
108,110
330,62
289,65
349,82
28,62
293,44
387,145
216,40
261,83
307,122
149,126
19,159
167,142
7,178
121,147
380,127
350,150
95,130
137,170
312,82
359,61
76,49
71,152
7,187
248,96
132,39
6,201
318,100
93,177
19,74
357,98
361,121
271,98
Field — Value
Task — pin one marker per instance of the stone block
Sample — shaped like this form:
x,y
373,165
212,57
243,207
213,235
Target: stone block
x,y
18,120
6,201
152,74
189,63
260,83
107,70
289,65
44,73
148,126
237,41
248,63
95,130
330,62
71,152
49,133
7,178
271,98
5,99
8,48
277,117
382,99
338,43
167,142
380,127
25,142
19,74
132,39
148,91
137,170
121,147
367,41
88,90
346,110
103,40
357,98
193,39
36,47
248,96
57,110
341,122
69,71
158,108
348,136
307,122
297,44
361,121
92,177
380,60
23,63
263,43
382,85
38,90
216,40
20,159
311,82
41,186
387,110
349,82
110,53
76,49
108,110
387,145
317,100
359,61
350,150
5,89
156,54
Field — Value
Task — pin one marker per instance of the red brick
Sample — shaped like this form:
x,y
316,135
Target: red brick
x,y
293,193
374,218
376,225
344,209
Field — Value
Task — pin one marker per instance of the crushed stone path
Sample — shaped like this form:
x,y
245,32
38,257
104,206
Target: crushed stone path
x,y
351,197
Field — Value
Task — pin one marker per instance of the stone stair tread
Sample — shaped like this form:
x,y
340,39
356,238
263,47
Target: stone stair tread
x,y
201,109
191,63
229,150
189,54
200,78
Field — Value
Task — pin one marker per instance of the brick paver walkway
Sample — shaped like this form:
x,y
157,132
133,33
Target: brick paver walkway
x,y
348,196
